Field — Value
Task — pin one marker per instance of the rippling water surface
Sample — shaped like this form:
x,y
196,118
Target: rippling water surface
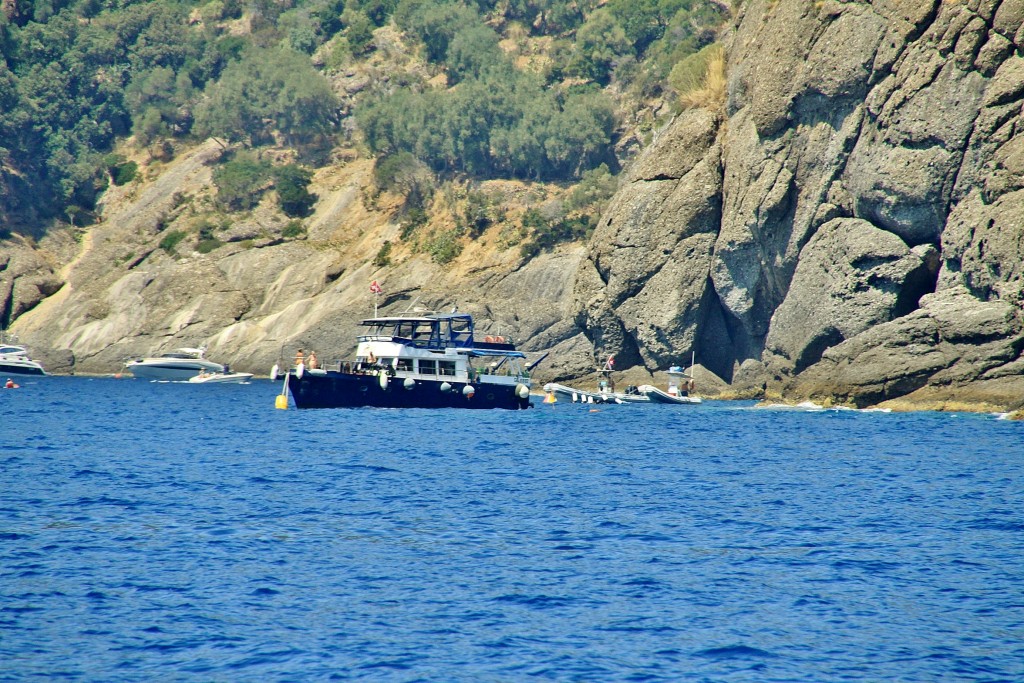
x,y
181,532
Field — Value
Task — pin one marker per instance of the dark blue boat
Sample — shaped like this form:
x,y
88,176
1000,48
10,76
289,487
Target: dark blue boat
x,y
429,361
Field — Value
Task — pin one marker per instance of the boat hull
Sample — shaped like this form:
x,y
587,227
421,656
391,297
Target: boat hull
x,y
170,371
22,368
656,395
221,378
329,389
580,396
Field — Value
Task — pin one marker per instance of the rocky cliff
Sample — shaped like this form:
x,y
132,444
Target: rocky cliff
x,y
846,226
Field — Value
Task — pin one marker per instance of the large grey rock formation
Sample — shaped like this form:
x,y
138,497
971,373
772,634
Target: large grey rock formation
x,y
850,277
644,292
871,172
954,351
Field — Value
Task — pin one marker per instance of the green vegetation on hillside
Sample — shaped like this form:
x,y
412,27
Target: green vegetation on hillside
x,y
526,89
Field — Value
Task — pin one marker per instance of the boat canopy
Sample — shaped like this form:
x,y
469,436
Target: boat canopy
x,y
184,352
495,352
449,330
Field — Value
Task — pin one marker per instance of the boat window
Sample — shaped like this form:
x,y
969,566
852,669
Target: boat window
x,y
462,331
386,362
404,365
428,367
446,368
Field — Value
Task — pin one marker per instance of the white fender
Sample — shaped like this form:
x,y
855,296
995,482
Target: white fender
x,y
445,387
274,373
383,379
574,397
468,391
300,370
522,391
409,383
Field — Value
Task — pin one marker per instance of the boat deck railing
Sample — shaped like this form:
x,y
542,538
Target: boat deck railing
x,y
362,367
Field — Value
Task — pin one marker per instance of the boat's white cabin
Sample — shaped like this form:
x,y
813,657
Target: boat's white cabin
x,y
436,347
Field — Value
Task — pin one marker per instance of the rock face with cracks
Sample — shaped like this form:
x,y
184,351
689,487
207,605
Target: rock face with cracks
x,y
868,201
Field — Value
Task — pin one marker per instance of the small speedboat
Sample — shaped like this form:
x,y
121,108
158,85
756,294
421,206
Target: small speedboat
x,y
603,394
14,360
656,395
221,378
680,384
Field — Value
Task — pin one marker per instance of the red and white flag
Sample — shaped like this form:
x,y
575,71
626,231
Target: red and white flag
x,y
375,288
610,363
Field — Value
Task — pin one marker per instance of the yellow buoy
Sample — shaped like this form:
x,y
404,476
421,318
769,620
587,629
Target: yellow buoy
x,y
550,398
281,402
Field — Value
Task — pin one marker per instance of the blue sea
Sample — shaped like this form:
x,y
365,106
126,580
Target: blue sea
x,y
174,532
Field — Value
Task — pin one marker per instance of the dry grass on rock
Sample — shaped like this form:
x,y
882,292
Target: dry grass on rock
x,y
700,79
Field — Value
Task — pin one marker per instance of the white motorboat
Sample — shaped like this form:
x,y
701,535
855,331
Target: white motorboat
x,y
604,394
221,378
178,365
680,384
14,360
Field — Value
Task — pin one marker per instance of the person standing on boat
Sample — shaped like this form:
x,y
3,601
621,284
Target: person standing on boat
x,y
312,360
299,357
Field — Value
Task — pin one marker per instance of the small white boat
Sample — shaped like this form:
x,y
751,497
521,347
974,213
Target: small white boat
x,y
221,378
602,395
14,360
680,384
656,395
178,365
